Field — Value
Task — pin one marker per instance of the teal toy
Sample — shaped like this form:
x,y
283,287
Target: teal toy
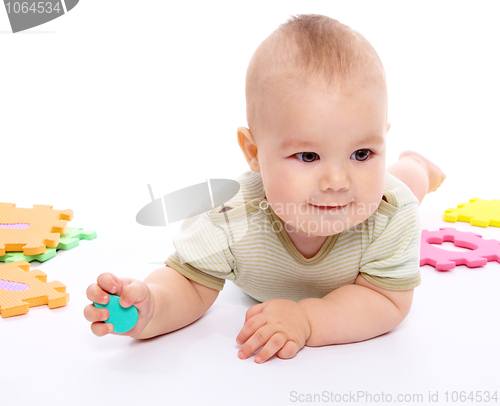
x,y
123,319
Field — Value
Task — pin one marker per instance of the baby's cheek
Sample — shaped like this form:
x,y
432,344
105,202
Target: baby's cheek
x,y
279,186
374,185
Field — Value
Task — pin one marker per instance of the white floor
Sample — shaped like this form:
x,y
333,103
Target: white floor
x,y
100,103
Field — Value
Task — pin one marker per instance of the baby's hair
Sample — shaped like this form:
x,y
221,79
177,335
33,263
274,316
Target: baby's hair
x,y
312,49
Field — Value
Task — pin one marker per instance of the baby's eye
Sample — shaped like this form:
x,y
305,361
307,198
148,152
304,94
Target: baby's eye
x,y
361,155
307,157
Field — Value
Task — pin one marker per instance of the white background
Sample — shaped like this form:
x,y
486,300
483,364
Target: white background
x,y
118,94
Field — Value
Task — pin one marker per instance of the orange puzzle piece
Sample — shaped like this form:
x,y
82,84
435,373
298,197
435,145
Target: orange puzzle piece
x,y
42,228
21,289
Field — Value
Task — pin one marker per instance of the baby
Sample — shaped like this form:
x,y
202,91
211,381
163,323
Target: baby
x,y
321,233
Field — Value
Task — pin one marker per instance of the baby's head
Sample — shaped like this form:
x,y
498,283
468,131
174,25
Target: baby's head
x,y
317,115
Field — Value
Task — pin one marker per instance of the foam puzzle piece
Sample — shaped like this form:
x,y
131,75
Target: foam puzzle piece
x,y
122,318
481,252
70,239
45,227
19,256
477,212
16,299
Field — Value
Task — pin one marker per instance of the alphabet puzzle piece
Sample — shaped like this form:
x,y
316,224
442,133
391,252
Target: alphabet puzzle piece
x,y
21,289
481,251
482,213
70,239
31,230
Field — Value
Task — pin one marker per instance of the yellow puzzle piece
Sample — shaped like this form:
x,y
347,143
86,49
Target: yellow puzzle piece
x,y
21,289
31,230
482,213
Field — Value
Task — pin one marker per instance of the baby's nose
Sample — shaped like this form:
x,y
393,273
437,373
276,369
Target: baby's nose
x,y
335,179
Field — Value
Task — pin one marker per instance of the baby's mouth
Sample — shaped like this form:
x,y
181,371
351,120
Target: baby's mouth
x,y
326,208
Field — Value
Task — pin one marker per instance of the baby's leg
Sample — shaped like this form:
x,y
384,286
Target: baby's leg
x,y
418,173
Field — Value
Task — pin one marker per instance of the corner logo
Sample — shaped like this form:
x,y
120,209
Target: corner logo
x,y
31,13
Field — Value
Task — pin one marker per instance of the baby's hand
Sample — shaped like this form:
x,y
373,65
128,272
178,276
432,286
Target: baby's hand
x,y
131,292
279,325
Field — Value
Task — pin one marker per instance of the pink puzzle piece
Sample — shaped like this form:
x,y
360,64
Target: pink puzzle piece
x,y
481,252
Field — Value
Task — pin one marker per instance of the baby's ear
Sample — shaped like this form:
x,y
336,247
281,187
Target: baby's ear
x,y
248,147
388,127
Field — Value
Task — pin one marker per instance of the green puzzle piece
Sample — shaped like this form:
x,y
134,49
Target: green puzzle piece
x,y
70,239
19,256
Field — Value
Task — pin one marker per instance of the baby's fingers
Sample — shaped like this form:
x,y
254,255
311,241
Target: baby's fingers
x,y
93,314
276,344
290,349
254,310
96,317
108,282
257,340
96,294
101,329
249,328
134,294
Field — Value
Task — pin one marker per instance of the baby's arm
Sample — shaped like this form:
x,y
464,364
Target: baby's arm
x,y
355,312
348,314
166,301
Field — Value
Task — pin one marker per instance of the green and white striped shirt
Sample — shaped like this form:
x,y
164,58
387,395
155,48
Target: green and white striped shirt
x,y
248,245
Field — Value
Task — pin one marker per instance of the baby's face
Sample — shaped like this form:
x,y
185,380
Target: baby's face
x,y
322,159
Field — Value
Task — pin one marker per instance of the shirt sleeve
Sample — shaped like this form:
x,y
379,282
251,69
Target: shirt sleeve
x,y
202,252
392,260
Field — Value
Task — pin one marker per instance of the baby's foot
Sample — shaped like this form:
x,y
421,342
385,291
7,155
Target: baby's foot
x,y
436,175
